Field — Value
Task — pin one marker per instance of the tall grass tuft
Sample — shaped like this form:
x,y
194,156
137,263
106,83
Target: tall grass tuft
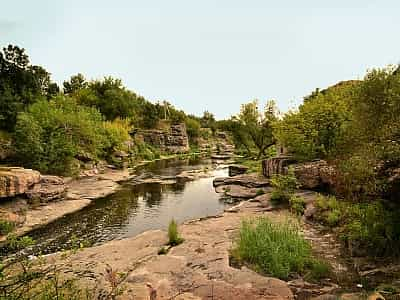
x,y
275,249
173,234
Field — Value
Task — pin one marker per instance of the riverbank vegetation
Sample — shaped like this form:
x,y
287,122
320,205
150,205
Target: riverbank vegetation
x,y
60,130
277,249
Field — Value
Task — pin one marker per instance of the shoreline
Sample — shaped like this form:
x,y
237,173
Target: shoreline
x,y
81,192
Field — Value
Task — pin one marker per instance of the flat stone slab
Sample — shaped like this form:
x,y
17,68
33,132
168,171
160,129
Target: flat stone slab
x,y
198,268
238,191
247,180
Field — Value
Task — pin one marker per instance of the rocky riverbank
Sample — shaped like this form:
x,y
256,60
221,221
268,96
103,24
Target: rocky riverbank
x,y
200,267
76,194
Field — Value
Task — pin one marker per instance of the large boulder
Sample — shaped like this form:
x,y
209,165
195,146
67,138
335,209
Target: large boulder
x,y
16,181
50,188
237,170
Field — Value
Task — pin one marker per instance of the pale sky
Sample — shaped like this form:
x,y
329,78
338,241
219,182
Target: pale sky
x,y
207,54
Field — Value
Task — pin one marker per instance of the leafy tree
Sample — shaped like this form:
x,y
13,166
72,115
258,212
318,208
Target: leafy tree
x,y
258,126
76,83
21,84
317,129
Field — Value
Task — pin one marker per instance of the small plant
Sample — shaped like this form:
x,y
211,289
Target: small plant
x,y
275,249
333,217
318,270
6,227
162,251
297,204
260,192
173,235
284,186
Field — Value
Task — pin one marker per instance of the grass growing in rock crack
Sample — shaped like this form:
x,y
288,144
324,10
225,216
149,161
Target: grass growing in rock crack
x,y
173,235
276,249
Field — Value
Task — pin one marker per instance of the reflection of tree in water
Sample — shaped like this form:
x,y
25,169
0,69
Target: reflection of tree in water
x,y
153,193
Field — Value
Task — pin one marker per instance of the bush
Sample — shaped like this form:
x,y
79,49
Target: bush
x,y
369,227
283,186
297,204
275,249
51,134
173,236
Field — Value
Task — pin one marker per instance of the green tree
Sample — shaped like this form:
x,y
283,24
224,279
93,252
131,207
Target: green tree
x,y
258,126
21,84
76,83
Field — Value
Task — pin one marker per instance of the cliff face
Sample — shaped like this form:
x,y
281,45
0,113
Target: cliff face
x,y
173,140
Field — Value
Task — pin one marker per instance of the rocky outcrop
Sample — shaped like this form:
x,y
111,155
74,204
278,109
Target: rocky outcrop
x,y
173,140
16,181
30,183
311,175
235,170
50,188
314,175
276,165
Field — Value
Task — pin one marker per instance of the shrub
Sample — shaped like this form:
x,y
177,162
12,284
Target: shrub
x,y
275,249
173,234
297,204
6,227
51,134
369,227
284,186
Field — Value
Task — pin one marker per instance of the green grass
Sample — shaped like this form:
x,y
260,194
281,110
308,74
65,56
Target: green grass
x,y
253,164
173,235
276,249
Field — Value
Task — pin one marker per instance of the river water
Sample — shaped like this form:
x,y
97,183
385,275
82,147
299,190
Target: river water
x,y
136,208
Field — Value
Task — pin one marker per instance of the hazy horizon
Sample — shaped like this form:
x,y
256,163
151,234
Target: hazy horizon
x,y
207,55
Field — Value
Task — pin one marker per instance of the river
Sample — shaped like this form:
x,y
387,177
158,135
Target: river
x,y
136,208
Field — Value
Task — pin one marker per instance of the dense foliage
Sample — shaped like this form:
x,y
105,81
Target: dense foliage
x,y
56,132
21,84
356,126
51,135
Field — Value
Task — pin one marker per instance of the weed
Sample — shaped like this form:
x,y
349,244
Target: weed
x,y
297,204
275,249
173,235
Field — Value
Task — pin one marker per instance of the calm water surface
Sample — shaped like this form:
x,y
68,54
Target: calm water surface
x,y
136,208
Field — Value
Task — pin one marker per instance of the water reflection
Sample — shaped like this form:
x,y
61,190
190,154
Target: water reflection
x,y
135,208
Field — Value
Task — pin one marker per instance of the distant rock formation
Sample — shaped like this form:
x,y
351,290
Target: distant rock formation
x,y
173,140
